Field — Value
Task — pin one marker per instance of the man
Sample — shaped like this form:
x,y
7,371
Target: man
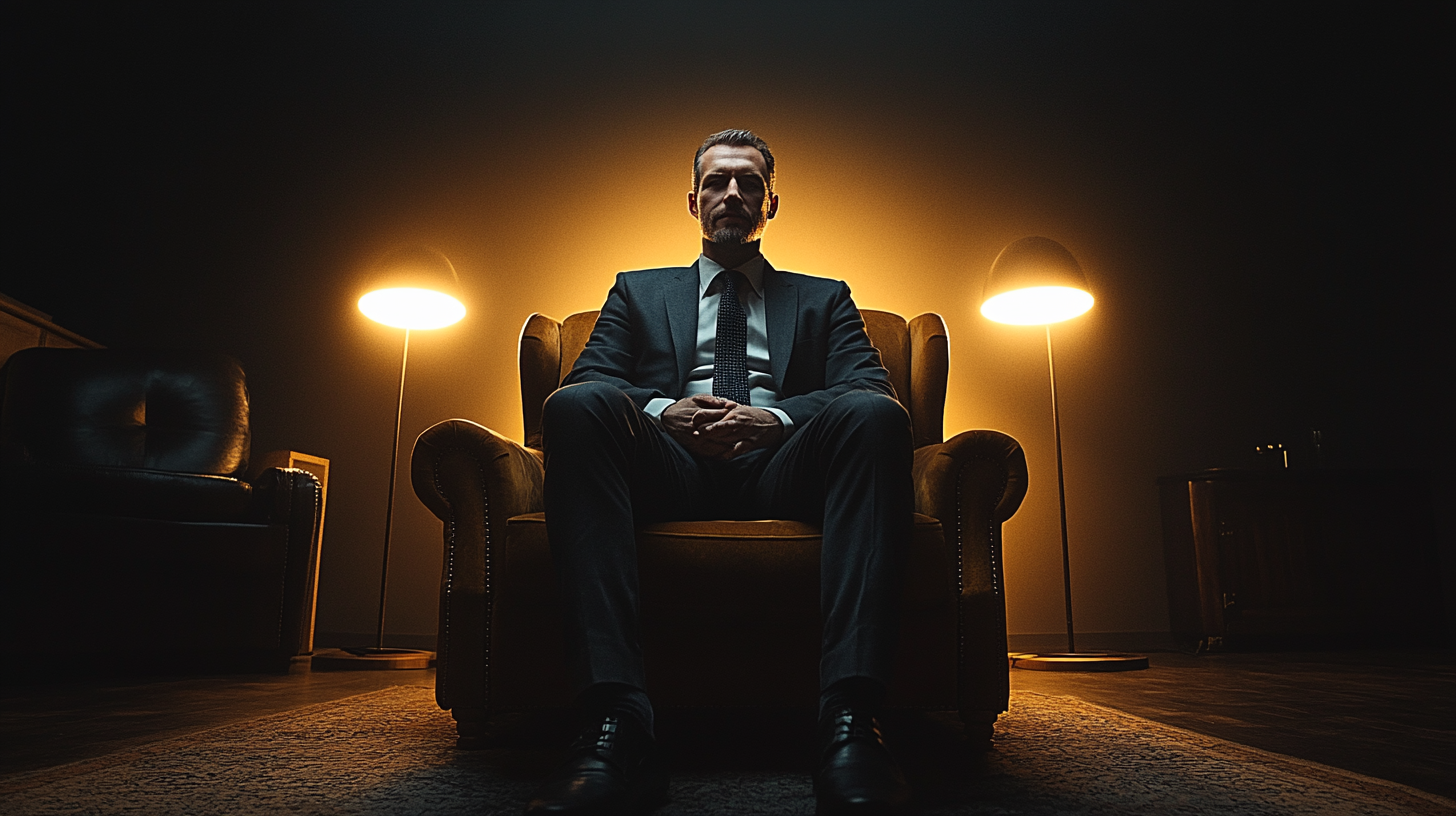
x,y
726,389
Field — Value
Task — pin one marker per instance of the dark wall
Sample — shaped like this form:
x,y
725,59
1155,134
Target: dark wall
x,y
1262,199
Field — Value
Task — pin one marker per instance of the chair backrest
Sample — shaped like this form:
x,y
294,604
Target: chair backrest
x,y
917,355
179,411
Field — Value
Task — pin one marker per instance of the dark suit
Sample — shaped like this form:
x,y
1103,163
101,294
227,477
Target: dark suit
x,y
609,466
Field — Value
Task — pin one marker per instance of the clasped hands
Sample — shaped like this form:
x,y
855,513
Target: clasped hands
x,y
717,428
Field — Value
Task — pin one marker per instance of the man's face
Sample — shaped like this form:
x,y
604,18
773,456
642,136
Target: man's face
x,y
732,202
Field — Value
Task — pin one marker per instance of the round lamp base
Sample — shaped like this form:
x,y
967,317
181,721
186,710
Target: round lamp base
x,y
1077,661
367,659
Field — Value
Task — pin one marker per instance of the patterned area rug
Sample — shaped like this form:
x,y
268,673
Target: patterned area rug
x,y
392,752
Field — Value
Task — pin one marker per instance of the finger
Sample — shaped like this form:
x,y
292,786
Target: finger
x,y
735,419
730,433
707,416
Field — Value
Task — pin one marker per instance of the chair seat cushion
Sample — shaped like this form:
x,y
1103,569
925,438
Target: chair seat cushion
x,y
728,565
736,530
131,492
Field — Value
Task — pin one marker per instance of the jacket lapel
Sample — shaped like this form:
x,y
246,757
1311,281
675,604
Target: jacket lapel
x,y
681,302
781,302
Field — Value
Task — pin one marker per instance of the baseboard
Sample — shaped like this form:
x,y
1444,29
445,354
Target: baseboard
x,y
1040,642
401,640
1094,641
1035,642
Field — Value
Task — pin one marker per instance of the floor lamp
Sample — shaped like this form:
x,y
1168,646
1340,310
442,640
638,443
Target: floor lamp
x,y
414,289
1037,282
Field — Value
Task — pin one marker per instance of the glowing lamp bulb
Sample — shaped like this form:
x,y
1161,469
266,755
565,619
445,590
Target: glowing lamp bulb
x,y
410,308
1036,305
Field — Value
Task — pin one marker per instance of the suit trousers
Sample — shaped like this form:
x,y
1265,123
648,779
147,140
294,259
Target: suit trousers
x,y
610,467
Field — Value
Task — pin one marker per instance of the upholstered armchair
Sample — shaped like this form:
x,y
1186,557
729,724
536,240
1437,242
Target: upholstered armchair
x,y
130,535
729,608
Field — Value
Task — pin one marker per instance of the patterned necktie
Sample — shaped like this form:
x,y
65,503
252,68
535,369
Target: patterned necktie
x,y
730,348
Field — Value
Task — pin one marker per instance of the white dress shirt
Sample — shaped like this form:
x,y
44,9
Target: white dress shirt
x,y
761,390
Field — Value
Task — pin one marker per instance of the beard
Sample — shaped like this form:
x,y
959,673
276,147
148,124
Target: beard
x,y
728,235
733,235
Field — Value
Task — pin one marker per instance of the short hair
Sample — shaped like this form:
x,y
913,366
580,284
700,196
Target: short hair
x,y
733,137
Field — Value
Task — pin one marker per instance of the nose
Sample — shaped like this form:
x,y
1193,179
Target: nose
x,y
733,191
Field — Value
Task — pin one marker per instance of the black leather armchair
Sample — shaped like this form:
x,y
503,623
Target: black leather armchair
x,y
130,536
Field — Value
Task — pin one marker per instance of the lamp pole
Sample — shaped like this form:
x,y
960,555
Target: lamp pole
x,y
1061,495
389,505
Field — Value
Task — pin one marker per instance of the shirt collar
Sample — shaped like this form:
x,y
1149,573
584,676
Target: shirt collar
x,y
751,269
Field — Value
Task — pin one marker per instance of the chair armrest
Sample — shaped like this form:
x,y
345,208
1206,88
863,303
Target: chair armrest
x,y
458,455
293,498
472,479
987,468
286,496
972,483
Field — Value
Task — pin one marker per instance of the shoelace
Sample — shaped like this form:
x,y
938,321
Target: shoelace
x,y
851,725
604,738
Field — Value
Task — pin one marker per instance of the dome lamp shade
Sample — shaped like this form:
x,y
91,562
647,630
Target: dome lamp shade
x,y
408,307
1035,281
414,288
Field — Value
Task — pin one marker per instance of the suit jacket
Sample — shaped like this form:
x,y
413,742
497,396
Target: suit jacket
x,y
647,334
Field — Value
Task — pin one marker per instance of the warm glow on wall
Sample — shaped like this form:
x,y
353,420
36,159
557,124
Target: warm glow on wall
x,y
1037,305
533,245
410,308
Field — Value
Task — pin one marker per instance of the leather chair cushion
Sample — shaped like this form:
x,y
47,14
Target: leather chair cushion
x,y
176,411
129,492
699,560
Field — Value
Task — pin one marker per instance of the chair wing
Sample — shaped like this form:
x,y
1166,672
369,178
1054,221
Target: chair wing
x,y
541,370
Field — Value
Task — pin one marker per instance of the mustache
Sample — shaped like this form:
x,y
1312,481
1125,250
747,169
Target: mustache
x,y
740,212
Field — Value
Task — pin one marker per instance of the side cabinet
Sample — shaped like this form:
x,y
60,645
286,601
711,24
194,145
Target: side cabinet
x,y
1289,558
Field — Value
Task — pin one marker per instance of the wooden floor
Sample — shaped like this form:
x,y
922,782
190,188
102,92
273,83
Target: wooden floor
x,y
1390,715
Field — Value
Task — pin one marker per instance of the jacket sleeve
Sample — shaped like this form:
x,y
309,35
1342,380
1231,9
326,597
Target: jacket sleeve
x,y
614,353
840,345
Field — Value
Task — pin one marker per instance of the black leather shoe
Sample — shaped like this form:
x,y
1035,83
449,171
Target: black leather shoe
x,y
614,768
856,773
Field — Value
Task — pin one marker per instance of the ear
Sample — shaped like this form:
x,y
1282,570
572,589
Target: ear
x,y
773,204
693,203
